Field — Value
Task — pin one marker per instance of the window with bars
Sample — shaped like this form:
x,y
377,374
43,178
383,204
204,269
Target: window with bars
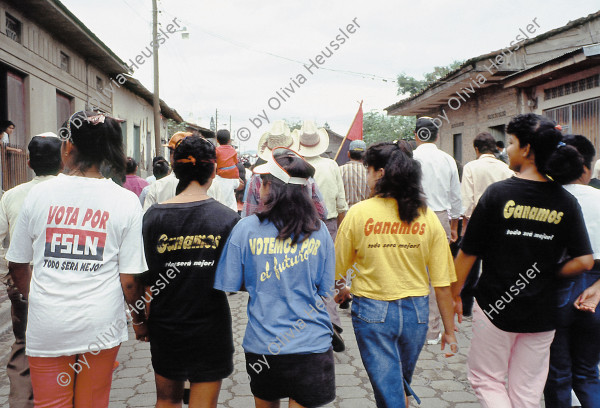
x,y
13,28
581,118
572,87
65,62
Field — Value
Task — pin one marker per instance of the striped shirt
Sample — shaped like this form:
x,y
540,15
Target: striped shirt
x,y
354,177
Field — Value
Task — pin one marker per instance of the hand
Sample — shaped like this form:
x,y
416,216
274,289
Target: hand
x,y
343,295
450,339
241,186
458,308
453,235
589,299
141,331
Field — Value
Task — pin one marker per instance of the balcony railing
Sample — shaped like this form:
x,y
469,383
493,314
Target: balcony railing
x,y
14,167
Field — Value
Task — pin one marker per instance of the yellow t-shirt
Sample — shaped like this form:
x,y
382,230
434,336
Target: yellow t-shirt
x,y
388,259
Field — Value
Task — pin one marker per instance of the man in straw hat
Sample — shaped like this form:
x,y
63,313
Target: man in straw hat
x,y
313,142
278,136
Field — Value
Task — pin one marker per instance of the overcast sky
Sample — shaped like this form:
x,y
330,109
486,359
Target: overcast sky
x,y
239,54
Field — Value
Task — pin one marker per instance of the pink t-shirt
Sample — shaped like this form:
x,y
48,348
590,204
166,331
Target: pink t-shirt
x,y
135,184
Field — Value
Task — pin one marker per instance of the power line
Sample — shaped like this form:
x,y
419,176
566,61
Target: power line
x,y
249,48
136,12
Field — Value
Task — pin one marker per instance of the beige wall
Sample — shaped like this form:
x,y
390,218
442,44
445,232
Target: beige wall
x,y
37,58
486,108
136,111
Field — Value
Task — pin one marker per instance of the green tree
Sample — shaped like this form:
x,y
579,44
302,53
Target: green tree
x,y
174,127
378,127
412,86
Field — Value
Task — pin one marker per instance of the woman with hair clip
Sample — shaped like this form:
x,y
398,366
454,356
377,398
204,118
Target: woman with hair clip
x,y
575,350
528,231
83,234
392,247
189,321
283,257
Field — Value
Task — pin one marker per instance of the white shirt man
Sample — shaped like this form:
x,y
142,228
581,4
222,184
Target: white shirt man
x,y
480,173
441,183
441,186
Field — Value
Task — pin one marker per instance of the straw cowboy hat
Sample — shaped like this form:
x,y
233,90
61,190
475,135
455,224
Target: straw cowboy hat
x,y
278,136
313,142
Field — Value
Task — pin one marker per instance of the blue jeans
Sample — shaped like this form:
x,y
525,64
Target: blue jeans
x,y
390,336
575,351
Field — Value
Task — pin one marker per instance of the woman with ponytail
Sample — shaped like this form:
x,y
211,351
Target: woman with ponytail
x,y
189,321
392,247
82,233
529,232
283,257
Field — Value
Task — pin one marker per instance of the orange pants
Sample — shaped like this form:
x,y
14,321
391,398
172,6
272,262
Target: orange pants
x,y
80,381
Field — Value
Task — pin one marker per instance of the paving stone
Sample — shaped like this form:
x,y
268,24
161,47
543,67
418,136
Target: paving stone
x,y
135,363
447,385
131,372
147,387
350,392
357,403
344,379
121,394
142,400
242,402
459,396
125,383
430,403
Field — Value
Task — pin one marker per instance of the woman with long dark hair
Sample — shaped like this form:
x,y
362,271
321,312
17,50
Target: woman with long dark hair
x,y
392,247
575,350
283,257
83,234
528,231
189,321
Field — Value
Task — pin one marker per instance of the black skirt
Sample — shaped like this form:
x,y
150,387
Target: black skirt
x,y
197,353
308,379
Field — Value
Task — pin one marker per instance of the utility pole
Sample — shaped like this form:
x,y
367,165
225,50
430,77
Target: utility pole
x,y
156,99
216,121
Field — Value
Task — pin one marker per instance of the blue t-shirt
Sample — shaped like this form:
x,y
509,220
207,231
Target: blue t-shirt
x,y
286,314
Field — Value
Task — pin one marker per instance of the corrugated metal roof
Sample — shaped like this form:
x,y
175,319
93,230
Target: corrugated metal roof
x,y
472,61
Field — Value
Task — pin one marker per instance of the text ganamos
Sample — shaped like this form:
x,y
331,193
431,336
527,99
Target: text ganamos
x,y
511,209
393,227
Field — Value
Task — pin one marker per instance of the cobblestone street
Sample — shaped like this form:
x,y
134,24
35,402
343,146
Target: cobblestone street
x,y
438,381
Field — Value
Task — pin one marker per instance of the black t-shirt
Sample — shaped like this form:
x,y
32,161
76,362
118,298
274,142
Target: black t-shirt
x,y
522,230
183,243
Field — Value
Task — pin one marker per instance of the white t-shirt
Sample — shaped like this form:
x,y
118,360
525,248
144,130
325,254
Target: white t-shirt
x,y
80,233
223,190
161,190
12,202
588,198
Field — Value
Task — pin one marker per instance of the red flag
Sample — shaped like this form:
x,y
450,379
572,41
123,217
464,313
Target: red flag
x,y
355,133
